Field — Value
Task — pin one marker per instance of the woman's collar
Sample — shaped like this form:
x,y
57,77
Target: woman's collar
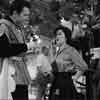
x,y
63,46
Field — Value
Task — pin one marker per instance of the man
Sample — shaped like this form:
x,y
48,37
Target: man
x,y
13,40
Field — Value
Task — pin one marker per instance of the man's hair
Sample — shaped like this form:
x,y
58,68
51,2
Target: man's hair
x,y
18,6
4,4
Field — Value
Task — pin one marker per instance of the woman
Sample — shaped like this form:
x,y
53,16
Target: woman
x,y
67,59
40,72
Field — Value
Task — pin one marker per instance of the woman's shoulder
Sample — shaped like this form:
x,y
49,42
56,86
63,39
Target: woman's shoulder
x,y
69,48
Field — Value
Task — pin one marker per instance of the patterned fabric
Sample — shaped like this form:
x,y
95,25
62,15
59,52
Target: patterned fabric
x,y
15,35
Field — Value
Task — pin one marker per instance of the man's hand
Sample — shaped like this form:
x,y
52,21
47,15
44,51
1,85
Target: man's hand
x,y
95,52
77,75
31,45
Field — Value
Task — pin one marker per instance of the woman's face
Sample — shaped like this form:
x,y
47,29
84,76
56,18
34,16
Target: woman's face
x,y
24,16
60,37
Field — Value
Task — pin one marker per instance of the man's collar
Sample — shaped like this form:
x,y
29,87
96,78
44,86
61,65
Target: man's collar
x,y
11,19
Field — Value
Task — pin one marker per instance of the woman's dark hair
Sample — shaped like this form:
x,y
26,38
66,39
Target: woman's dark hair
x,y
18,6
66,31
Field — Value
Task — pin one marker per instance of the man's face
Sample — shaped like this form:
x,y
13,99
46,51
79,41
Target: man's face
x,y
24,16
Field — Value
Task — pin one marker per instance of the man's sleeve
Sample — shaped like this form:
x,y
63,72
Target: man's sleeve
x,y
7,49
3,29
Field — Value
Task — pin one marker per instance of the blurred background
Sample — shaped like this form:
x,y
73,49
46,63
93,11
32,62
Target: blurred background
x,y
46,13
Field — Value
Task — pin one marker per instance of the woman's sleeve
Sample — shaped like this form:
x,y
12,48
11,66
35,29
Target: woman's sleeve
x,y
78,60
8,50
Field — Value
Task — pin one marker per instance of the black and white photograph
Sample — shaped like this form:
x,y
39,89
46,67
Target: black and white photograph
x,y
49,50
